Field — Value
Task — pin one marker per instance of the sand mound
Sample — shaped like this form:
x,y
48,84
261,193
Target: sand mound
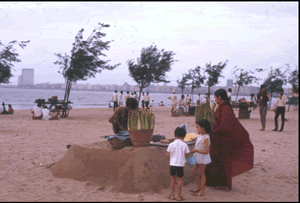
x,y
128,170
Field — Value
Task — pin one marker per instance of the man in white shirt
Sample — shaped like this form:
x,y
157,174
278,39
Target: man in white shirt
x,y
134,95
147,100
173,102
229,94
115,99
280,110
121,102
177,153
188,100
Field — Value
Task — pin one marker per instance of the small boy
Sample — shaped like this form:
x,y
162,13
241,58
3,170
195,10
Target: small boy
x,y
177,153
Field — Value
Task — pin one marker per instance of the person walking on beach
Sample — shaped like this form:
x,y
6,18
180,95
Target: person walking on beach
x,y
177,153
202,155
127,96
143,100
280,110
173,102
115,99
198,100
263,98
147,100
121,102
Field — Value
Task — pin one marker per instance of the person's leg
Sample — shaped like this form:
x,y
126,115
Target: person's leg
x,y
179,187
195,173
203,179
261,116
276,120
147,104
282,112
173,180
265,115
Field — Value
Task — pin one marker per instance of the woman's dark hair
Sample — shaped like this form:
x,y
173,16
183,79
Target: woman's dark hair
x,y
131,102
180,132
204,124
223,94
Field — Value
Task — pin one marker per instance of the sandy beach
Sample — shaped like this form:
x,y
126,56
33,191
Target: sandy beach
x,y
29,146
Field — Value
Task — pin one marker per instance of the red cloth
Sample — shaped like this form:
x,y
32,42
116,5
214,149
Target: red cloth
x,y
231,150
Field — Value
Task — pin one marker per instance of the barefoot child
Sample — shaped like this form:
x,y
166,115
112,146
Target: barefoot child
x,y
202,155
177,152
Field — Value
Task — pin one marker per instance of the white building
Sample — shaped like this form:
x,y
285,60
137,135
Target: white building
x,y
27,77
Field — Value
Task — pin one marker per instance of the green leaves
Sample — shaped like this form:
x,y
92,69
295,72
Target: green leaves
x,y
141,120
204,112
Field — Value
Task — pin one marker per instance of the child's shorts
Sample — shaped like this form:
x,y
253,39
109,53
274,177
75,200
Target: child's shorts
x,y
176,170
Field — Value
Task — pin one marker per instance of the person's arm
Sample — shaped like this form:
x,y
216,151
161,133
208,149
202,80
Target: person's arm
x,y
168,155
206,150
187,151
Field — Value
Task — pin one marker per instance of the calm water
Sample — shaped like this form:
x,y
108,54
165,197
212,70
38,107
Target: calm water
x,y
23,99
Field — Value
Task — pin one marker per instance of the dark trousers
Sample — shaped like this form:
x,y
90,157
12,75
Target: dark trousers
x,y
279,111
143,103
115,105
147,104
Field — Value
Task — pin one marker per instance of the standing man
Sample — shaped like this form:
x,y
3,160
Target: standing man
x,y
147,100
115,99
127,96
134,95
263,98
229,94
280,110
121,101
198,100
143,100
173,102
188,101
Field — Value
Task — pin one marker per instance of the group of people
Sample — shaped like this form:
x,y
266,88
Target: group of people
x,y
221,153
183,106
3,110
119,101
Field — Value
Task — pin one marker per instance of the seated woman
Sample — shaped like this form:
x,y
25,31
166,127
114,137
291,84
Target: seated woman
x,y
181,104
120,117
37,112
231,149
10,109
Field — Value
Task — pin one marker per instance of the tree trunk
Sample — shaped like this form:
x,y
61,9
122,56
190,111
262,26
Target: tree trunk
x,y
237,94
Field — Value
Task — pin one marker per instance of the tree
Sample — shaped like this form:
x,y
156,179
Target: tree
x,y
7,56
213,72
243,78
293,79
195,77
183,82
84,61
151,67
276,78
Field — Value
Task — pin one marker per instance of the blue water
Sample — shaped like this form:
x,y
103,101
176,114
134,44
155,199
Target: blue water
x,y
23,99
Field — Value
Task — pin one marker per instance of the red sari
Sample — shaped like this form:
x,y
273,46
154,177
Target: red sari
x,y
231,150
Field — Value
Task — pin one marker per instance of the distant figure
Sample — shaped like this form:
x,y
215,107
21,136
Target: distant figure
x,y
110,104
188,101
3,109
161,103
280,110
198,100
181,105
134,95
147,99
143,100
115,99
151,103
37,112
229,94
173,98
131,94
121,102
263,98
127,96
10,109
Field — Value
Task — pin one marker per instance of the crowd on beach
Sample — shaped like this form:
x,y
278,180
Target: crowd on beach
x,y
220,152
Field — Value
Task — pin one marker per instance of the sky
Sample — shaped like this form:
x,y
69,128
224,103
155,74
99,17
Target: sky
x,y
249,35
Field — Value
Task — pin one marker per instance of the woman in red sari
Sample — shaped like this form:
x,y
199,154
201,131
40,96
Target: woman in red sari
x,y
231,150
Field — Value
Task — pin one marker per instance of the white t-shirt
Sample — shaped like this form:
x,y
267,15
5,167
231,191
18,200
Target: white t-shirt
x,y
281,102
135,96
37,111
228,94
115,97
46,114
121,98
198,97
147,98
173,98
177,150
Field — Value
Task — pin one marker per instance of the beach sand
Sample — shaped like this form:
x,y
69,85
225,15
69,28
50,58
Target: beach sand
x,y
29,146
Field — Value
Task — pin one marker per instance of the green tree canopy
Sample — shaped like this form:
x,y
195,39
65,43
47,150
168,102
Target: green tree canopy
x,y
151,66
8,55
195,78
182,83
86,57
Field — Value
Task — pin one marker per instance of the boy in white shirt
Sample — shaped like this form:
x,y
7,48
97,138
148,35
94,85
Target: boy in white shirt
x,y
280,110
177,153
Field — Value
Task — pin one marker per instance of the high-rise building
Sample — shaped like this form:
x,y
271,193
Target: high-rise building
x,y
229,82
27,77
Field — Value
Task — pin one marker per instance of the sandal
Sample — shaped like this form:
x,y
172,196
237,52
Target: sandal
x,y
194,190
181,198
170,197
198,194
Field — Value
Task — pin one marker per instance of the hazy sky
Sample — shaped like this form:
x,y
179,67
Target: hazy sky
x,y
247,34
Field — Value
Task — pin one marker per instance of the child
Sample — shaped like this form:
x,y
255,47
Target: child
x,y
177,152
202,155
